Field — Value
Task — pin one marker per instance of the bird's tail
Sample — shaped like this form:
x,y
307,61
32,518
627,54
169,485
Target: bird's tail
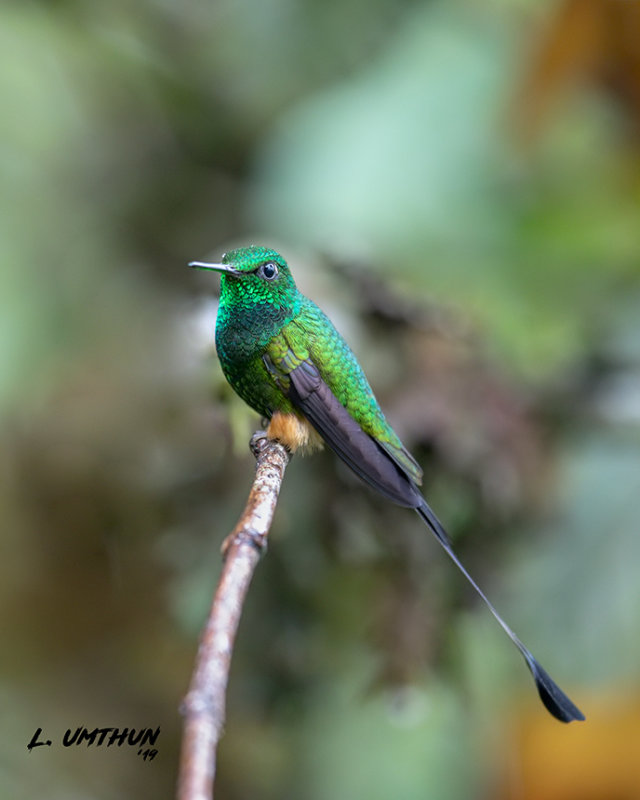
x,y
554,699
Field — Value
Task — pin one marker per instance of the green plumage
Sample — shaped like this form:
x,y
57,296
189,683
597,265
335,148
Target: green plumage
x,y
283,356
265,329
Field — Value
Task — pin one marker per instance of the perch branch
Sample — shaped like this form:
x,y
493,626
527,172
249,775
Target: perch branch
x,y
204,705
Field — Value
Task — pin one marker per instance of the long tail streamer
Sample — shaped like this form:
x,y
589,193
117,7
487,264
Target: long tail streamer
x,y
554,699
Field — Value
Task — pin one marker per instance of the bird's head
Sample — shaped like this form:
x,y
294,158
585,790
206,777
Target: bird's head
x,y
254,275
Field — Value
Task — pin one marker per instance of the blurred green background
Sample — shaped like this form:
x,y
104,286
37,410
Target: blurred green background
x,y
456,184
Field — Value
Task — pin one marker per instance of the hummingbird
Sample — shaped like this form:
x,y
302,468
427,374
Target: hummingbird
x,y
285,359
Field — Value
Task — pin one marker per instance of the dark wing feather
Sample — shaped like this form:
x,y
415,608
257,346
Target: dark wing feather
x,y
311,395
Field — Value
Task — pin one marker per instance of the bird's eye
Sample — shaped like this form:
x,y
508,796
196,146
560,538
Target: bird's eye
x,y
269,271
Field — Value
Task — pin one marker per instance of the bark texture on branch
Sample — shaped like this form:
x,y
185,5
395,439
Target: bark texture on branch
x,y
204,705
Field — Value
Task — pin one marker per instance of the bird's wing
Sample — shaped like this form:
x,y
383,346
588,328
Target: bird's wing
x,y
302,382
311,336
311,395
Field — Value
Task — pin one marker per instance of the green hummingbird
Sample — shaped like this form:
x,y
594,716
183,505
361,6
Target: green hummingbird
x,y
286,360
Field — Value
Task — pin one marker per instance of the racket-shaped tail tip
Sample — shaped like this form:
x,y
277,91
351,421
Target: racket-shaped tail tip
x,y
555,700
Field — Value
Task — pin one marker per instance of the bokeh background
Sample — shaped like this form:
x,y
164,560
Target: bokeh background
x,y
457,184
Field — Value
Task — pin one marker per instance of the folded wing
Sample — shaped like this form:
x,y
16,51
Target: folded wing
x,y
311,395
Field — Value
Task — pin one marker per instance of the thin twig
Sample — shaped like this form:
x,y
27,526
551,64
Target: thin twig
x,y
204,705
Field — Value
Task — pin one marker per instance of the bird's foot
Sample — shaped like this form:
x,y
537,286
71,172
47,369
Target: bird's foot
x,y
258,442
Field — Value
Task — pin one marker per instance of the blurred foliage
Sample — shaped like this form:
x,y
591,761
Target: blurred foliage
x,y
457,185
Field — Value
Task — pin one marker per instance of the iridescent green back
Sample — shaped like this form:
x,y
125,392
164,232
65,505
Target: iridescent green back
x,y
258,319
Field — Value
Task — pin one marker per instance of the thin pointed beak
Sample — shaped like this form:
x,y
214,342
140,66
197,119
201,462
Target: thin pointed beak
x,y
214,267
